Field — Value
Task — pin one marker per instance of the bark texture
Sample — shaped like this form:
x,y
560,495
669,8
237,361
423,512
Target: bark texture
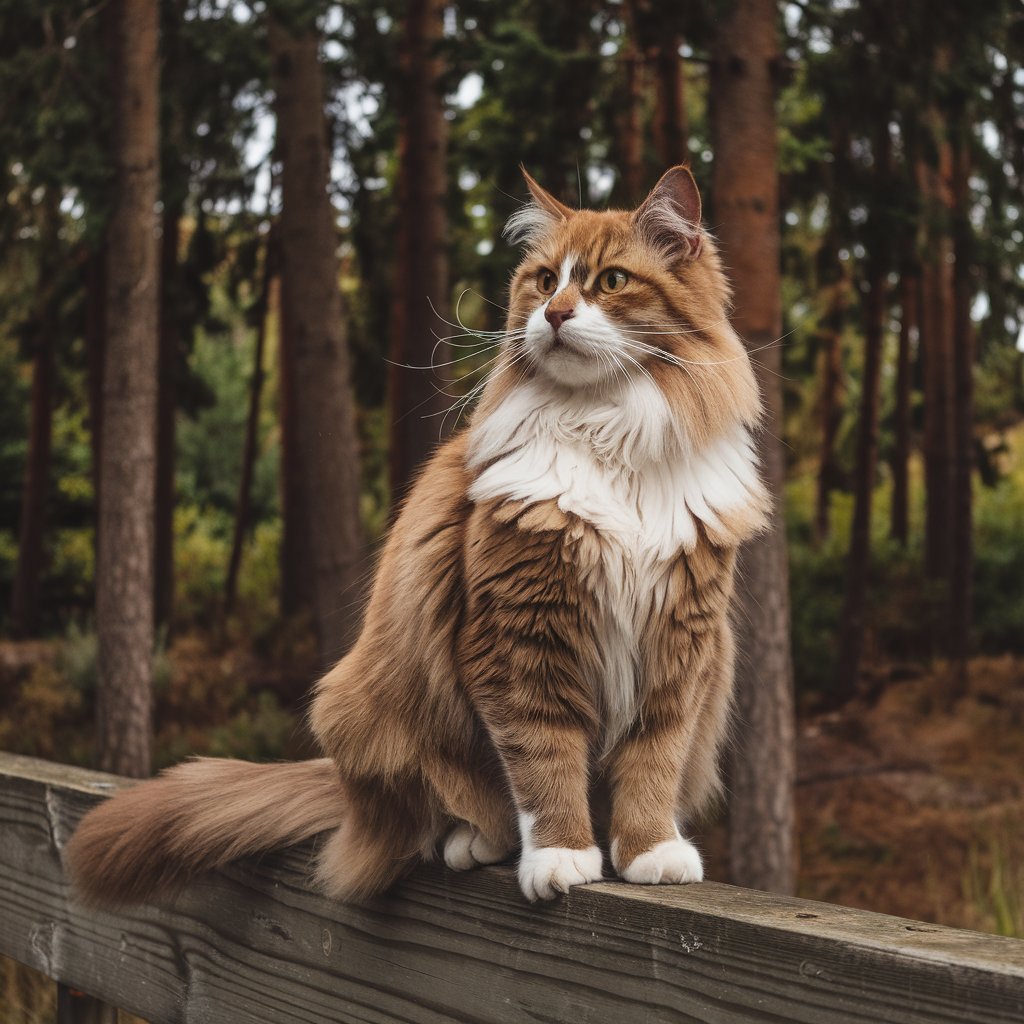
x,y
630,125
95,346
421,270
297,573
324,410
251,425
936,319
851,640
124,573
962,554
831,405
670,121
852,626
29,568
746,214
899,525
167,408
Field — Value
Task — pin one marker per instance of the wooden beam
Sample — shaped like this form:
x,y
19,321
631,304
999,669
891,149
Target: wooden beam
x,y
255,943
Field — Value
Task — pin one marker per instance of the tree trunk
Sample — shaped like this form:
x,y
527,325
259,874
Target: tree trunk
x,y
324,414
936,317
831,406
124,574
421,268
900,510
252,425
962,553
746,214
95,346
297,572
167,408
630,122
851,640
29,569
833,272
670,122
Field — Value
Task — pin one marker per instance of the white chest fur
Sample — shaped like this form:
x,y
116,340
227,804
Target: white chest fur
x,y
616,461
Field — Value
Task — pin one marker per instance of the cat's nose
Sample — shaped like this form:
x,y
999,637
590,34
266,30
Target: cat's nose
x,y
557,317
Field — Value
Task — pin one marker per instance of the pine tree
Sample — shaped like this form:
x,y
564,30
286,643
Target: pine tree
x,y
124,573
323,408
420,296
745,198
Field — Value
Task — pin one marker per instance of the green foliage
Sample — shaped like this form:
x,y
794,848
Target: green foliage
x,y
77,658
999,562
994,885
258,733
201,550
210,442
901,602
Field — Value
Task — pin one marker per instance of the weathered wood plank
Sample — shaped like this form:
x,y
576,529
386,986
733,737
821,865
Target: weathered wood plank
x,y
256,944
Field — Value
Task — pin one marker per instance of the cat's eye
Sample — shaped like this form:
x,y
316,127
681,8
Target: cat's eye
x,y
546,282
613,280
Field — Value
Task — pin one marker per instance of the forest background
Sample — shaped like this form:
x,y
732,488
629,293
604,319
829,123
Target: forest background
x,y
232,231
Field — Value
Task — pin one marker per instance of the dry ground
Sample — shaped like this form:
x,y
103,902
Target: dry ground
x,y
910,806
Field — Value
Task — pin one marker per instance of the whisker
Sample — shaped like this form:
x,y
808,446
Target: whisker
x,y
460,326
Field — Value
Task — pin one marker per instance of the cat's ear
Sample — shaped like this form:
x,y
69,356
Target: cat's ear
x,y
669,218
544,199
538,216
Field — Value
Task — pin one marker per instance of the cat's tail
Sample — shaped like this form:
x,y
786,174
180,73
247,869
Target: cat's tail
x,y
149,840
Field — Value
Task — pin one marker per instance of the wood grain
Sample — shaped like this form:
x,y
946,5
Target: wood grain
x,y
257,944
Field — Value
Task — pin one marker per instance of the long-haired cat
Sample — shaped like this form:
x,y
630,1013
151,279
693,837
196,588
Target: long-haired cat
x,y
549,617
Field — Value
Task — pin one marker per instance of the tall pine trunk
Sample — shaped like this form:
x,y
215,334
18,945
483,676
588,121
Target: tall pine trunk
x,y
831,405
29,568
746,213
297,573
167,409
936,320
421,269
242,502
324,408
833,271
95,347
851,639
630,120
124,573
670,122
962,553
899,526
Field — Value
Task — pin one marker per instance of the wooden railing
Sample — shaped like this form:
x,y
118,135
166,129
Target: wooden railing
x,y
256,943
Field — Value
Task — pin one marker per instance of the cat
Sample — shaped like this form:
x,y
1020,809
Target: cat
x,y
550,614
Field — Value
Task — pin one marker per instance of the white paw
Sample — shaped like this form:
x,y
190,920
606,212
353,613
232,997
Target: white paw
x,y
466,848
671,862
546,871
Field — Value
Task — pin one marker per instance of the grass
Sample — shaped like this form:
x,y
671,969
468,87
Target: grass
x,y
994,886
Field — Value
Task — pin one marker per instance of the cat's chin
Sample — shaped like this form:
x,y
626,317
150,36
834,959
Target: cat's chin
x,y
569,367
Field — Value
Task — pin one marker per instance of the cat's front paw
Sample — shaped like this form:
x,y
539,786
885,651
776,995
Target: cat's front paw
x,y
546,871
672,862
467,848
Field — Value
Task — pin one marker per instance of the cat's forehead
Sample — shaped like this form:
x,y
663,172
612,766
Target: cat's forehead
x,y
590,238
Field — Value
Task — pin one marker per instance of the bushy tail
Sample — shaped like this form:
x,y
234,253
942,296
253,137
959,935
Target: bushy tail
x,y
150,839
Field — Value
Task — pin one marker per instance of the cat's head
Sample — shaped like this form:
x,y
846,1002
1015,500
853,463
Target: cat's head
x,y
603,298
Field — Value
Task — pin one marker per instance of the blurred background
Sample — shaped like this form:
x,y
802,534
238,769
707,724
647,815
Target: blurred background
x,y
235,237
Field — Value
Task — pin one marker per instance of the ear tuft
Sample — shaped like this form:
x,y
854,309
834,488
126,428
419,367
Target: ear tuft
x,y
537,217
669,218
